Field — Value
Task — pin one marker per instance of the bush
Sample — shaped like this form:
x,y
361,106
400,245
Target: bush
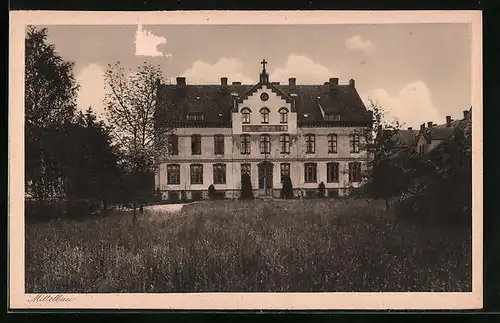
x,y
41,211
287,188
321,190
212,193
80,208
246,187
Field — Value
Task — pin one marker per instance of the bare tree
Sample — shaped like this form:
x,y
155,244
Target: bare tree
x,y
130,104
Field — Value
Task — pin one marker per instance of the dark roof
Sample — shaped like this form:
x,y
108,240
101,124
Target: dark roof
x,y
406,138
215,102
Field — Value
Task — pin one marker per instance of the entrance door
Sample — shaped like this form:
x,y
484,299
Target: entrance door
x,y
265,175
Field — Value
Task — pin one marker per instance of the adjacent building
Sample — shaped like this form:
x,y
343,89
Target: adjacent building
x,y
218,132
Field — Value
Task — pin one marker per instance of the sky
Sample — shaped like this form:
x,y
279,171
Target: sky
x,y
417,72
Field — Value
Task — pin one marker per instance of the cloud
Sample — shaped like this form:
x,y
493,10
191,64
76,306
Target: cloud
x,y
146,43
412,105
205,73
358,43
303,69
92,88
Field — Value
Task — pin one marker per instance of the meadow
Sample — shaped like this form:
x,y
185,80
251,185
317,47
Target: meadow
x,y
248,246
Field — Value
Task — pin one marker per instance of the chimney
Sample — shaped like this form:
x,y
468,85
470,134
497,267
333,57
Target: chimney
x,y
429,124
334,82
291,81
448,121
223,82
422,126
410,128
181,81
466,114
351,83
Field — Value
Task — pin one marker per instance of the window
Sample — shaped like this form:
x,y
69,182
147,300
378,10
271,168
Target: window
x,y
354,143
283,115
196,174
194,117
332,143
265,144
332,117
246,169
219,174
195,145
310,173
245,144
219,144
310,144
196,196
173,145
285,170
245,115
355,172
173,174
332,172
285,143
264,114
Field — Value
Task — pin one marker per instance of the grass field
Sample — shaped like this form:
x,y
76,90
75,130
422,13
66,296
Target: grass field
x,y
226,246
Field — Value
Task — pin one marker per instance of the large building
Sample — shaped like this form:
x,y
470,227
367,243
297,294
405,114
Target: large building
x,y
218,132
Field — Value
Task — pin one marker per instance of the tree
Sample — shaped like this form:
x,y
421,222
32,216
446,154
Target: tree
x,y
287,188
321,190
50,103
130,106
246,187
92,161
385,173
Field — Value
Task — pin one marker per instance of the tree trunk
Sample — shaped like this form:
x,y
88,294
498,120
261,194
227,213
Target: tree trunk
x,y
387,205
105,206
141,207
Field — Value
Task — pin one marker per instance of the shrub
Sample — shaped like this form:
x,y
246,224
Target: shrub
x,y
80,208
246,187
41,211
287,188
321,190
212,193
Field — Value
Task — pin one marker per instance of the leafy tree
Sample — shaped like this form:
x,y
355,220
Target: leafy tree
x,y
321,190
91,159
287,188
50,104
385,171
130,107
246,187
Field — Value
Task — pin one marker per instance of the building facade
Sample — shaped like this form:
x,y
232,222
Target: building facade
x,y
218,132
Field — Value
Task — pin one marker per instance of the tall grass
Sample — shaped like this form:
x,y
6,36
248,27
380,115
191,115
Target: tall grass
x,y
266,246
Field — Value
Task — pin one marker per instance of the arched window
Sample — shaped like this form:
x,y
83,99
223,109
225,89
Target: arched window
x,y
264,112
283,115
245,115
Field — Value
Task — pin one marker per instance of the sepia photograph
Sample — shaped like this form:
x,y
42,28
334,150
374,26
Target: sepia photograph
x,y
240,158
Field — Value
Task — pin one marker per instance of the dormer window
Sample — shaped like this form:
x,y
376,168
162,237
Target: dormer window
x,y
194,116
283,115
245,115
332,117
264,113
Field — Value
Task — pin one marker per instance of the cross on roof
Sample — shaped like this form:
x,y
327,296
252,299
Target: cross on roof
x,y
264,62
